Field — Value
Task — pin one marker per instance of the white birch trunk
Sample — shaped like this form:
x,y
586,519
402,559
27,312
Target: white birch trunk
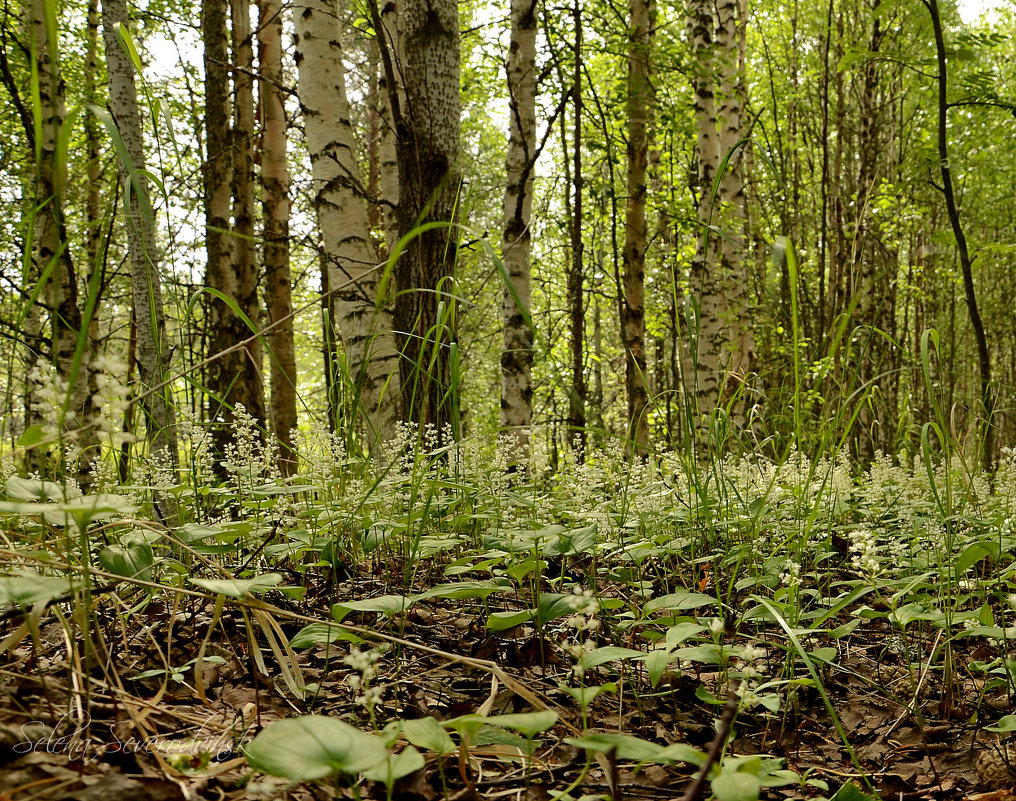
x,y
153,351
721,350
364,328
52,254
275,197
517,354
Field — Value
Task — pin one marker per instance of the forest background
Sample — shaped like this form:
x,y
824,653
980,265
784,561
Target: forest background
x,y
644,360
726,228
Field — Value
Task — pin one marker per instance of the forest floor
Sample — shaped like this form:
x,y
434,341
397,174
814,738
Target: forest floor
x,y
416,640
111,732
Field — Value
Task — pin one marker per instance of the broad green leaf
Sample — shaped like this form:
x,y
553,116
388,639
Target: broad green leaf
x,y
528,724
680,602
133,560
313,747
427,733
1004,725
573,543
238,588
708,653
628,748
461,589
320,633
608,653
499,621
681,632
827,654
974,553
552,605
682,752
91,508
656,664
851,792
584,696
33,489
385,604
908,613
27,590
224,533
736,786
395,766
31,437
519,570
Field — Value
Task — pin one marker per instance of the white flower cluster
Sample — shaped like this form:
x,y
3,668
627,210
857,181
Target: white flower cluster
x,y
865,557
751,675
113,397
791,575
49,391
584,624
362,681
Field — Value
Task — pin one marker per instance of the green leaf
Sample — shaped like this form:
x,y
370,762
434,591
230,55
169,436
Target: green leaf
x,y
313,747
428,733
33,489
908,613
31,437
680,602
584,695
573,543
461,589
681,632
656,664
129,47
395,766
553,605
827,654
90,508
499,621
26,590
528,724
386,604
238,588
736,786
682,752
851,792
134,560
707,654
320,633
608,653
1004,725
974,553
629,748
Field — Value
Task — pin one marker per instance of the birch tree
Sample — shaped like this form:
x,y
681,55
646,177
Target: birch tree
x,y
425,117
53,262
363,325
517,354
247,381
635,238
219,273
275,200
153,351
721,346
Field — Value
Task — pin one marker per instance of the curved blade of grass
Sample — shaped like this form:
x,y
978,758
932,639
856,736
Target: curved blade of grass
x,y
819,684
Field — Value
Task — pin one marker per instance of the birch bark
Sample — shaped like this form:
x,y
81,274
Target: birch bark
x,y
517,353
721,352
634,307
362,324
153,351
275,200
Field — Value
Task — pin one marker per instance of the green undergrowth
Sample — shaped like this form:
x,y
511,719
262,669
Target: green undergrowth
x,y
748,575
